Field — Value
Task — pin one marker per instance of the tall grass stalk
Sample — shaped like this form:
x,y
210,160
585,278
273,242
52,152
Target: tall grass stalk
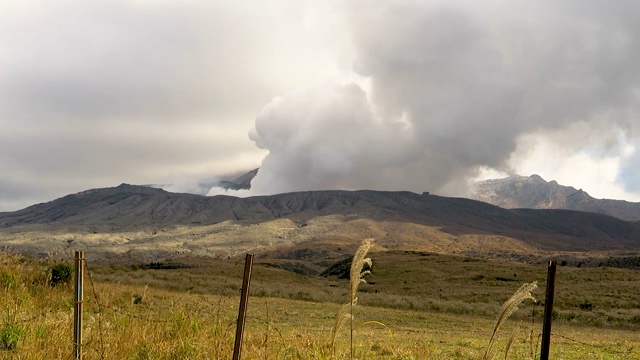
x,y
355,279
508,308
510,342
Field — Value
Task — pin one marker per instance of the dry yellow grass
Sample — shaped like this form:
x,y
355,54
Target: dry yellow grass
x,y
125,321
508,308
356,277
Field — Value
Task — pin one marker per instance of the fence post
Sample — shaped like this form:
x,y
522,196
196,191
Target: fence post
x,y
77,313
548,310
242,311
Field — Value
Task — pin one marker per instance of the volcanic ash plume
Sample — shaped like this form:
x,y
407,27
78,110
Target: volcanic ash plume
x,y
328,137
453,87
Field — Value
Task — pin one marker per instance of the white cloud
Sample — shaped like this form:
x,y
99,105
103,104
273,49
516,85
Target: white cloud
x,y
589,164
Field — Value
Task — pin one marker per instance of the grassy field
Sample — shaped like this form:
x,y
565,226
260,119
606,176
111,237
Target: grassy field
x,y
437,307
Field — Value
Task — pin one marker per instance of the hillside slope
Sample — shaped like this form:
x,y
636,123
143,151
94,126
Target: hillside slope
x,y
128,206
149,222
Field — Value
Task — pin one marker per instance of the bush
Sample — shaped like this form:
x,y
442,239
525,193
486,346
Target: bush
x,y
9,336
60,274
137,299
571,316
586,306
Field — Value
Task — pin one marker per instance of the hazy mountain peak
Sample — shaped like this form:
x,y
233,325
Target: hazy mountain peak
x,y
534,192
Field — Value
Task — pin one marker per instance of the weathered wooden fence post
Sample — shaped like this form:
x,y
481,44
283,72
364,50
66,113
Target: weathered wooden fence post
x,y
242,311
548,310
77,313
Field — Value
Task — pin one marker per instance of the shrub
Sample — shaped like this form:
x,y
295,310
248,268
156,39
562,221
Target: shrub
x,y
9,336
60,274
137,299
571,316
586,306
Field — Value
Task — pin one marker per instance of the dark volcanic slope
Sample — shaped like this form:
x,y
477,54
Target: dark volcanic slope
x,y
535,193
241,183
128,206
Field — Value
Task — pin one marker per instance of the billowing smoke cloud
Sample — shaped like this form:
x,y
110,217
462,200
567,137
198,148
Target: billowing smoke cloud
x,y
453,87
327,137
425,93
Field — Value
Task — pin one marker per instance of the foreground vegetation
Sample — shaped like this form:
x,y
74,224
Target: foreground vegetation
x,y
437,306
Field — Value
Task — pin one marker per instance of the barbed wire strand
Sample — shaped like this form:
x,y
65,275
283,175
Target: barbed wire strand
x,y
586,344
95,296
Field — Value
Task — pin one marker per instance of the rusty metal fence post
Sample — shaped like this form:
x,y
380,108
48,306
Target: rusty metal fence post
x,y
548,310
242,311
77,312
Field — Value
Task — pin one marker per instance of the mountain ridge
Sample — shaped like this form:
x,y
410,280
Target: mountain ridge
x,y
138,206
141,223
518,191
534,192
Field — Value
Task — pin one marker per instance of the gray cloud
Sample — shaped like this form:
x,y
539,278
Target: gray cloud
x,y
99,93
327,137
469,79
100,59
425,93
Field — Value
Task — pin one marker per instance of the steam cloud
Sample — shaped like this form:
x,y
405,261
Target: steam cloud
x,y
426,94
453,87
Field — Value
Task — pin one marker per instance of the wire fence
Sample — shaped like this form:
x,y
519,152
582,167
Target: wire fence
x,y
240,321
98,347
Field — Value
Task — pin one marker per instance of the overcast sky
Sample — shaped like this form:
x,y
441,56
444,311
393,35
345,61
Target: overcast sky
x,y
387,95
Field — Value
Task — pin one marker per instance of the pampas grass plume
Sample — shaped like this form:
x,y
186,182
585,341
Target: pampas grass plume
x,y
508,308
356,277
